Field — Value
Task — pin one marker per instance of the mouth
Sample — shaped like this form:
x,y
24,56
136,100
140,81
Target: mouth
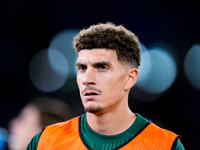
x,y
90,94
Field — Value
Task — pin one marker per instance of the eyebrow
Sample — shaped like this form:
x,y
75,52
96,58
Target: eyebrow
x,y
100,63
79,64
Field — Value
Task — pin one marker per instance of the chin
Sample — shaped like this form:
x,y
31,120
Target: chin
x,y
93,109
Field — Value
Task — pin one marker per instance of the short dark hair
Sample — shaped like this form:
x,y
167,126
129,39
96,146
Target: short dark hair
x,y
110,36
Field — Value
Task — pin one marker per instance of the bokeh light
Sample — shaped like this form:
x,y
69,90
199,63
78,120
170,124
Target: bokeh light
x,y
145,65
48,70
62,42
192,66
157,72
3,138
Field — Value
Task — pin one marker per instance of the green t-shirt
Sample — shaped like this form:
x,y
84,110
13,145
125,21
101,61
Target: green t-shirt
x,y
98,141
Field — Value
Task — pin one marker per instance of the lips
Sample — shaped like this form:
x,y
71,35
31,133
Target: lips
x,y
90,93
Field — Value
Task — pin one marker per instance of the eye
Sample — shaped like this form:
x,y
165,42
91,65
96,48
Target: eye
x,y
103,67
81,67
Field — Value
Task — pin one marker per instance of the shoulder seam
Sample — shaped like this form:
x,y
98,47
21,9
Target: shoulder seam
x,y
40,135
175,141
81,134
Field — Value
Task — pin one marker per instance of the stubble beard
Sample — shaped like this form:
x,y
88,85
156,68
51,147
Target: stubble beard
x,y
93,109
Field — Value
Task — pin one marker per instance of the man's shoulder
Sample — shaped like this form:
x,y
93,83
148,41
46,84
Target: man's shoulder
x,y
169,136
161,132
65,125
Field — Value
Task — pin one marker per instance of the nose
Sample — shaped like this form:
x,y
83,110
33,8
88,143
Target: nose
x,y
89,77
87,83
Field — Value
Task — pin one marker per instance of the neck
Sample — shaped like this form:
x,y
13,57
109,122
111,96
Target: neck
x,y
111,123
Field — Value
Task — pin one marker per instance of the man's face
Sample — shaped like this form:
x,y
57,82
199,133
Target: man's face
x,y
101,79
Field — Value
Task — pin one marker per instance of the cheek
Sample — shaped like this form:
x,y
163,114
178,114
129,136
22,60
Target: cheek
x,y
112,86
78,80
116,83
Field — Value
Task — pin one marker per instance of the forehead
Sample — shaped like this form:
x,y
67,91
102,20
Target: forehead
x,y
97,54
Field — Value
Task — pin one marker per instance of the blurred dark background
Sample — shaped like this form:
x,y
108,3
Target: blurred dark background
x,y
28,26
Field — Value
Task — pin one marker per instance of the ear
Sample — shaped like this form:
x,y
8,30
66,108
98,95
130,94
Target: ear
x,y
132,76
